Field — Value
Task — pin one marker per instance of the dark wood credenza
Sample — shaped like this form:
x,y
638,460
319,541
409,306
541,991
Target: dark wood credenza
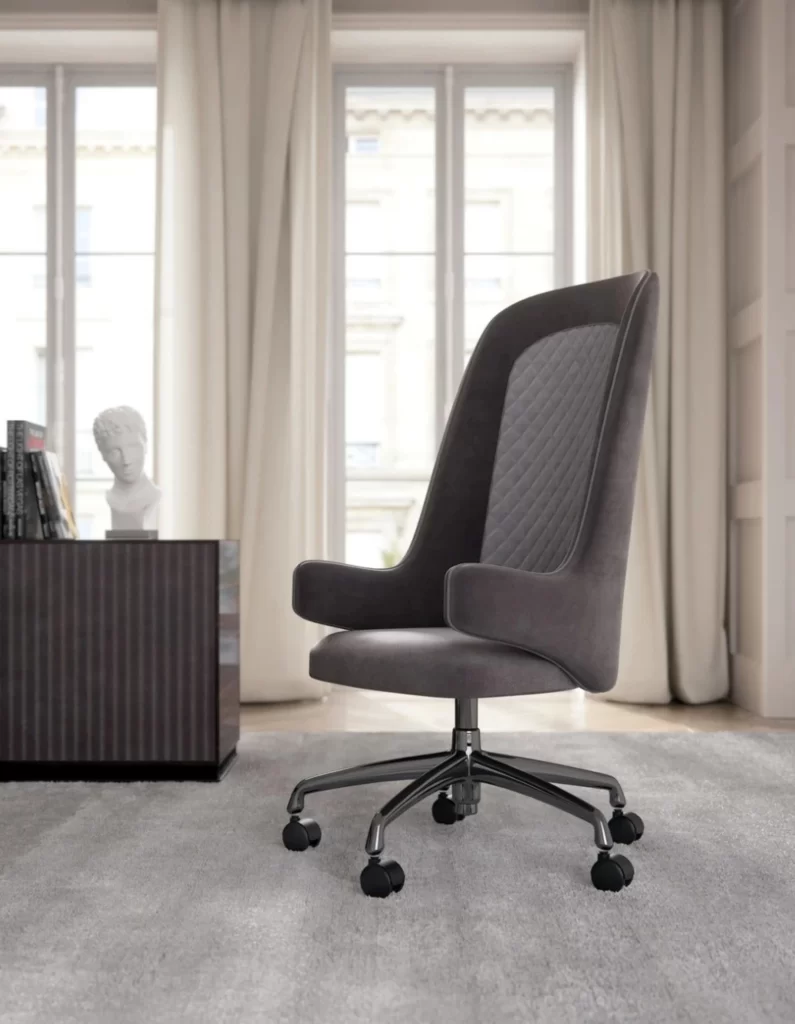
x,y
119,660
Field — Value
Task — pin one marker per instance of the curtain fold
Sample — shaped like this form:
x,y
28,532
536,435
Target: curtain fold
x,y
242,293
656,199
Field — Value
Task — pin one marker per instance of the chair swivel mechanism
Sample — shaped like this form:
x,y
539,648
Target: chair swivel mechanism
x,y
514,580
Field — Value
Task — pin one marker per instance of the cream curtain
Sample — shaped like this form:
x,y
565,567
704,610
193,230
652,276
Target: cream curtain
x,y
242,303
656,173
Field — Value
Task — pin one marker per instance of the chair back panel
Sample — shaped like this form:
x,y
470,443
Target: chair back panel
x,y
552,415
577,325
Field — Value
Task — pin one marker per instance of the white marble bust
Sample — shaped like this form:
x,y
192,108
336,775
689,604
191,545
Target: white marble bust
x,y
120,435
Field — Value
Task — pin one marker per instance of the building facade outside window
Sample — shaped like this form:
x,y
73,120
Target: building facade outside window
x,y
442,230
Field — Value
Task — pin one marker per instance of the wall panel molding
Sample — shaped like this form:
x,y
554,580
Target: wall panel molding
x,y
747,149
746,500
744,262
760,171
745,326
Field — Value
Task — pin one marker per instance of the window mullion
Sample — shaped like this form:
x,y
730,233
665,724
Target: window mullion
x,y
564,185
67,320
445,290
561,205
54,289
60,368
457,206
335,451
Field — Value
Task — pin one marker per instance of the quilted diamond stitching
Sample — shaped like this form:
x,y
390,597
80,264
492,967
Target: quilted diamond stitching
x,y
549,428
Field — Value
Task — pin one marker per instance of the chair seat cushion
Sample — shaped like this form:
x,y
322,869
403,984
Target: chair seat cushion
x,y
432,662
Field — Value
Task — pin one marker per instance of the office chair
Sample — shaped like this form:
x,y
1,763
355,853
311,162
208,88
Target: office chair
x,y
514,580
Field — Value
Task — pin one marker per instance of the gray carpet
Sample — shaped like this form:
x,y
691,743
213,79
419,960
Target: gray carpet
x,y
178,902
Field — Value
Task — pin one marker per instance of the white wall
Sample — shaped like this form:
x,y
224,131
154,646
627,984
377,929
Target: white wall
x,y
760,123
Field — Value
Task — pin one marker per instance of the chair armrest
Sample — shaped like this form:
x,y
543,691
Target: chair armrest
x,y
564,617
355,597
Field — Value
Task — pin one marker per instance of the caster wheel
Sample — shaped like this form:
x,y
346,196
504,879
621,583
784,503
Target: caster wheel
x,y
299,833
381,878
612,874
444,812
626,828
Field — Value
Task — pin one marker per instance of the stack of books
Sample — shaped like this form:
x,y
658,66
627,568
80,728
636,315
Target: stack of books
x,y
35,496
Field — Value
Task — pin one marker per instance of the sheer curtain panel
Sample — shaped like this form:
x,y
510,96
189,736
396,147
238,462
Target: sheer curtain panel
x,y
656,188
242,304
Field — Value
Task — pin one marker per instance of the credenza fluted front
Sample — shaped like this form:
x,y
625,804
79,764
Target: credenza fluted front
x,y
119,659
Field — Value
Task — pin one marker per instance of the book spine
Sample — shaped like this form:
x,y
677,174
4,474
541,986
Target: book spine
x,y
9,515
64,506
58,527
19,480
38,486
2,492
50,497
29,437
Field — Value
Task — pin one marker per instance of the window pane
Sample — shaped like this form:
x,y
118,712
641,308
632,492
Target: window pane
x,y
23,339
390,169
365,225
494,282
114,365
390,313
509,169
114,275
116,131
390,395
365,422
381,517
23,170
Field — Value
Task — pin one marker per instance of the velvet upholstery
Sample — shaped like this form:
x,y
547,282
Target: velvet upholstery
x,y
434,661
550,422
564,623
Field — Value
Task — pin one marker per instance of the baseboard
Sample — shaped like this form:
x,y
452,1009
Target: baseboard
x,y
115,771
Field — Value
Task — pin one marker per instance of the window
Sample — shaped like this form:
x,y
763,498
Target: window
x,y
486,225
85,453
87,530
39,230
364,409
454,202
41,386
365,279
509,147
40,109
484,288
83,245
96,293
23,255
363,144
365,225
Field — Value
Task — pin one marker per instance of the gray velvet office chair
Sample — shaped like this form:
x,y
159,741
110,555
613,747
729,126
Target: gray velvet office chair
x,y
514,580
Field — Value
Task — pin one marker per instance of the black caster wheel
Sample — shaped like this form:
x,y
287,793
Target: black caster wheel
x,y
625,828
299,833
612,874
381,878
444,812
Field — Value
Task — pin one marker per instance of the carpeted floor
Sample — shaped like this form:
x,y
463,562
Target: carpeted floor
x,y
178,903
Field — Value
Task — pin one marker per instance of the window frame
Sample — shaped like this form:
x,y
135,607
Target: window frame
x,y
449,81
61,81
